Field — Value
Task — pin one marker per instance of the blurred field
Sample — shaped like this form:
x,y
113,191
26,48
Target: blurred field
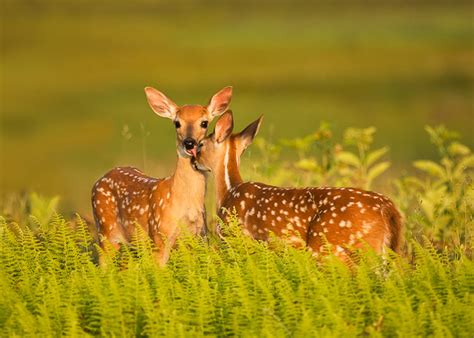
x,y
73,75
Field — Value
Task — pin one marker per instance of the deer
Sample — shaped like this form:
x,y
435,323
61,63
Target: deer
x,y
346,218
125,197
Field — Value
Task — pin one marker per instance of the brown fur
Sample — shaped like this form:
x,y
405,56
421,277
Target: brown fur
x,y
394,221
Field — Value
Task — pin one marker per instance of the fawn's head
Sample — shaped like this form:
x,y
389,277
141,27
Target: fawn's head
x,y
191,121
218,148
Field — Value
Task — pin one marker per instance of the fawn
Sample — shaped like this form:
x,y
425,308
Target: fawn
x,y
125,197
347,218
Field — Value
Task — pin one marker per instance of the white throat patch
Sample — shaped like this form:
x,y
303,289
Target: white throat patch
x,y
226,167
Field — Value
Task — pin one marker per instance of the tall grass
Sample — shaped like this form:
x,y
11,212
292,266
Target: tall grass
x,y
51,283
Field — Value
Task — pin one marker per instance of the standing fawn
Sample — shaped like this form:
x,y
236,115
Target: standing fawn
x,y
125,197
347,218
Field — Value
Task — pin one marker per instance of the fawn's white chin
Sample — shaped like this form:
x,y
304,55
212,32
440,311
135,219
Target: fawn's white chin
x,y
199,166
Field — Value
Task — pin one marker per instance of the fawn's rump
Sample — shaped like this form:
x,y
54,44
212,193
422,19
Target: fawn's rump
x,y
393,220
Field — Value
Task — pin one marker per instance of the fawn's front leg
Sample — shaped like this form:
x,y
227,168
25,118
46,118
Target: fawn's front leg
x,y
164,241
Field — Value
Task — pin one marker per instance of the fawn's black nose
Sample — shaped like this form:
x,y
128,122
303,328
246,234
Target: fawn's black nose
x,y
189,143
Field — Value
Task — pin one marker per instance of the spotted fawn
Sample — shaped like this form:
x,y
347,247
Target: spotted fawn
x,y
125,197
347,218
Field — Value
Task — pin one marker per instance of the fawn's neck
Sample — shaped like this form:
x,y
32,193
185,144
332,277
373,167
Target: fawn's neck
x,y
188,185
227,173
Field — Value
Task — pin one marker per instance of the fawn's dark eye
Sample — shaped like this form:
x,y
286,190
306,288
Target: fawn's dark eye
x,y
204,124
177,124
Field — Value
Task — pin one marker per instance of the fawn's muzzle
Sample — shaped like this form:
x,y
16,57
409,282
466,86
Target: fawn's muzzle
x,y
189,143
190,146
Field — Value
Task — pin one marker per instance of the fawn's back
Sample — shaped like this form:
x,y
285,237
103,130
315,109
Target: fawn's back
x,y
124,197
345,217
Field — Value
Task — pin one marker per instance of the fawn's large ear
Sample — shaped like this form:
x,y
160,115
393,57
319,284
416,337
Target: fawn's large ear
x,y
224,127
247,135
220,102
160,104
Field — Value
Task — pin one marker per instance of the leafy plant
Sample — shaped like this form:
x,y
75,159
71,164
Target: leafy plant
x,y
323,161
42,208
363,166
440,203
30,208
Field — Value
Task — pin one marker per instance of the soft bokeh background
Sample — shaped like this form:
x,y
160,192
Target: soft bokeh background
x,y
73,73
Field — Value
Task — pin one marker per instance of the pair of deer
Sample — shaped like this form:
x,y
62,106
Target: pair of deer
x,y
125,198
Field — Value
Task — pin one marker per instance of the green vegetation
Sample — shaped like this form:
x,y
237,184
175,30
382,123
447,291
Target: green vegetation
x,y
52,286
73,74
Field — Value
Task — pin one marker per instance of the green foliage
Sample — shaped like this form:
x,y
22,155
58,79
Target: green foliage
x,y
51,286
440,203
30,208
323,161
363,166
42,208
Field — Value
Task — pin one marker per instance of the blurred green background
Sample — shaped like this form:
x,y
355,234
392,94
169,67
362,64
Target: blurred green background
x,y
73,73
